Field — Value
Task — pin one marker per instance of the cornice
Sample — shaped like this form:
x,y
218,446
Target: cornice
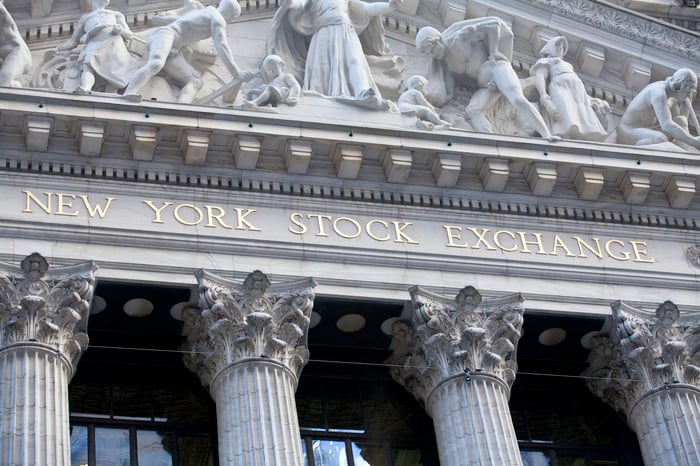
x,y
257,151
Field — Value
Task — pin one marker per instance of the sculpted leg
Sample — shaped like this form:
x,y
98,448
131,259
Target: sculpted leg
x,y
159,47
480,101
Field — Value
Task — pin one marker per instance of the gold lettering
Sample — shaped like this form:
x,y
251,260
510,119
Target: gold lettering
x,y
538,242
242,214
400,235
157,210
63,203
368,229
31,197
559,243
625,256
219,216
176,214
358,228
319,219
481,239
451,236
98,209
497,240
581,244
296,218
637,252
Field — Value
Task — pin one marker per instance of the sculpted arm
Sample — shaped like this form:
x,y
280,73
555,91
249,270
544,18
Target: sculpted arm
x,y
492,30
223,49
376,8
73,42
540,76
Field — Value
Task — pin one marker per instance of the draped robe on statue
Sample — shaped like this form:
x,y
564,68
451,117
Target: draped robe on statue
x,y
324,43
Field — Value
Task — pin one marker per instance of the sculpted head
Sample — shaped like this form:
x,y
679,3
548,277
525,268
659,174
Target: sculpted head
x,y
97,4
272,66
555,47
683,80
416,82
229,9
429,42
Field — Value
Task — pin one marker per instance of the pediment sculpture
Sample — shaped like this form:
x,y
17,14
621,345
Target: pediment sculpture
x,y
336,50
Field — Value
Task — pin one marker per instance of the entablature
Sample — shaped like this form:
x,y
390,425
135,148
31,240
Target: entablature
x,y
293,153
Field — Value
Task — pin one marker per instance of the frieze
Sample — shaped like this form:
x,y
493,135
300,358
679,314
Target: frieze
x,y
624,24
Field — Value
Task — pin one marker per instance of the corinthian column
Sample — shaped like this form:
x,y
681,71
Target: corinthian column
x,y
458,357
42,315
247,345
647,368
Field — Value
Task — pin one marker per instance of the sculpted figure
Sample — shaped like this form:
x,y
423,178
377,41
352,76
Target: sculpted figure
x,y
477,52
661,111
14,53
563,99
334,64
413,102
105,54
279,87
165,43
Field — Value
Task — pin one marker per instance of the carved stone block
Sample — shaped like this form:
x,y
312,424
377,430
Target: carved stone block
x,y
397,165
635,187
446,169
194,145
142,141
591,58
36,132
409,6
41,8
451,11
680,191
347,159
494,174
297,156
589,183
637,73
91,135
246,150
541,177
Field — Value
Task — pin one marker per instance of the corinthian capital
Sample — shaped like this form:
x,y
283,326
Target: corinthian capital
x,y
45,306
248,321
445,336
644,351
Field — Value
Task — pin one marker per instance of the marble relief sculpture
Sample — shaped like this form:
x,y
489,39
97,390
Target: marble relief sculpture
x,y
477,53
569,111
15,58
165,43
661,111
105,35
412,101
279,88
341,33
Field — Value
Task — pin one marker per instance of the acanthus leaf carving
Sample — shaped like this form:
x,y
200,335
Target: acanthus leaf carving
x,y
446,337
250,321
643,352
38,305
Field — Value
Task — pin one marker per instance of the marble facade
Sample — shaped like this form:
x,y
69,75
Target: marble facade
x,y
370,202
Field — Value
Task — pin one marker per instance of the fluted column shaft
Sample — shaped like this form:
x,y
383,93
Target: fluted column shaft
x,y
458,356
666,423
248,347
472,422
35,415
257,415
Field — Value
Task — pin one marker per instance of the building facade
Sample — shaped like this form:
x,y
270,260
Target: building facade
x,y
215,266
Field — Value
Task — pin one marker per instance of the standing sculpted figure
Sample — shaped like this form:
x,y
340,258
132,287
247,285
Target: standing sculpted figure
x,y
105,34
477,51
334,63
661,111
14,53
566,105
164,45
